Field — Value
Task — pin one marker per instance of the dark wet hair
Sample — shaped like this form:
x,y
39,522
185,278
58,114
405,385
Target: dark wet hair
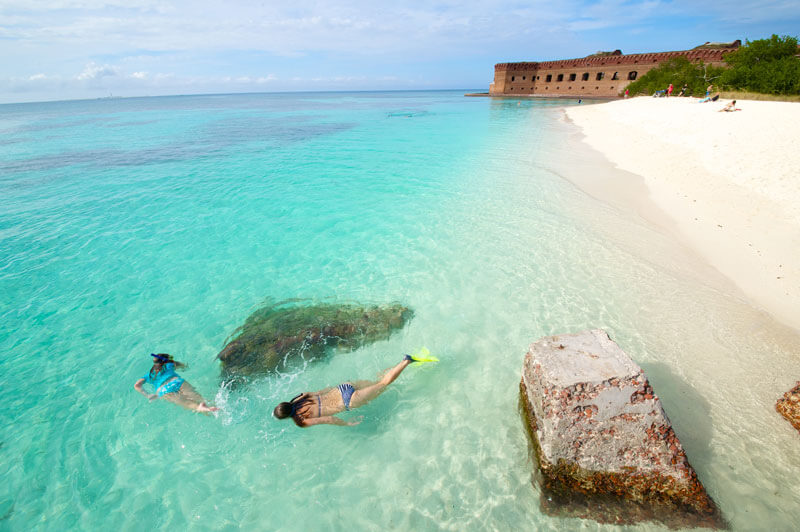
x,y
283,410
159,359
290,409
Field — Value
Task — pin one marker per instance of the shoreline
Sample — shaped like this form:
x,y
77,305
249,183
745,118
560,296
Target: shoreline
x,y
723,183
540,97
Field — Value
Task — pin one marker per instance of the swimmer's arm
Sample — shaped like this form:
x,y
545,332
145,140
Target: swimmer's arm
x,y
329,420
138,387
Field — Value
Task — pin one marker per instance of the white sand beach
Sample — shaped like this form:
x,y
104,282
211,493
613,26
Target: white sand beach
x,y
730,182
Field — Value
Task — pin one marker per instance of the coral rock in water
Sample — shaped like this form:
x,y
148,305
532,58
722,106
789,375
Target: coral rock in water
x,y
274,334
789,406
604,445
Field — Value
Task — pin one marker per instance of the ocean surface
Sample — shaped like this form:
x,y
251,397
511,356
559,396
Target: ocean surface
x,y
129,226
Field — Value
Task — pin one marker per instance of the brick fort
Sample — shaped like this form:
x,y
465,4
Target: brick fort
x,y
600,75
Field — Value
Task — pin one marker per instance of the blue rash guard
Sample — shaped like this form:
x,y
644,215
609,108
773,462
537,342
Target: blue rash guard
x,y
157,380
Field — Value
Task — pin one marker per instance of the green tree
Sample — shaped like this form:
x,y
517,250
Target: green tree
x,y
768,66
679,71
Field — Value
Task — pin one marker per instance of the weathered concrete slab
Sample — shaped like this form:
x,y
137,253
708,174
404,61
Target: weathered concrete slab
x,y
789,406
604,445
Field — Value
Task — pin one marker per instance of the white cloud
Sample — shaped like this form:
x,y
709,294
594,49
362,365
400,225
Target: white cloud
x,y
617,13
94,71
333,26
357,26
747,11
270,26
52,5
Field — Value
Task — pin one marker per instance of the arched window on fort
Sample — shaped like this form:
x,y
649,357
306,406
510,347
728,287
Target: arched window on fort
x,y
585,76
632,74
523,78
560,77
600,75
549,78
615,76
512,78
572,77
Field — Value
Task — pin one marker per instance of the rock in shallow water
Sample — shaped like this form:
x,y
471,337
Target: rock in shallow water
x,y
278,332
789,406
604,445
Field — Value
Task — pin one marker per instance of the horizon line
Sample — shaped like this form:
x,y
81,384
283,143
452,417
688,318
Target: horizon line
x,y
112,97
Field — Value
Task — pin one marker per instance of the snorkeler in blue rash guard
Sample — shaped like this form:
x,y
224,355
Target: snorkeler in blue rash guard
x,y
171,386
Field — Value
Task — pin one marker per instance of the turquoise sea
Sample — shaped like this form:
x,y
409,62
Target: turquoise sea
x,y
129,226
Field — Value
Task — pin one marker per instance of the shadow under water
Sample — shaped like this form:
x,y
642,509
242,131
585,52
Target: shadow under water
x,y
687,410
276,333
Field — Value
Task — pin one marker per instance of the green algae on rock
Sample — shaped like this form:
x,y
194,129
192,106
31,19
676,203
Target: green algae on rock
x,y
604,447
276,333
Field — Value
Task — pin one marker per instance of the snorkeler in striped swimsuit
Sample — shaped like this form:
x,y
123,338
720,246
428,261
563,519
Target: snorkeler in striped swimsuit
x,y
318,408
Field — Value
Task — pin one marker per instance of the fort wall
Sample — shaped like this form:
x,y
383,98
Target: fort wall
x,y
598,76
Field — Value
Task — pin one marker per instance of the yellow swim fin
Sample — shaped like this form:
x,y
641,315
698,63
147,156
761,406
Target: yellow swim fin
x,y
422,355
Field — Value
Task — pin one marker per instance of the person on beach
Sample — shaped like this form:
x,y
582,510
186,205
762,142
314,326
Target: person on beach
x,y
319,408
669,90
710,98
730,107
709,89
626,93
171,386
683,90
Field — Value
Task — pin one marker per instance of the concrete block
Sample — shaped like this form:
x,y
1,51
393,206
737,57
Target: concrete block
x,y
604,445
789,406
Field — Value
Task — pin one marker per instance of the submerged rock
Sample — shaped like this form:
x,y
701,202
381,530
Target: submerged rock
x,y
604,445
789,406
276,333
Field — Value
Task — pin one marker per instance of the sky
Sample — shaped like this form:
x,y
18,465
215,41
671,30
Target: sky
x,y
72,49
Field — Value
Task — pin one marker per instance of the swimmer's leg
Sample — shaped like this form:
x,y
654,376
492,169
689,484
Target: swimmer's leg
x,y
366,394
362,384
188,398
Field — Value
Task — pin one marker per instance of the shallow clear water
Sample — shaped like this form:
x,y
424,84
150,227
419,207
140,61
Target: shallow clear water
x,y
158,224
